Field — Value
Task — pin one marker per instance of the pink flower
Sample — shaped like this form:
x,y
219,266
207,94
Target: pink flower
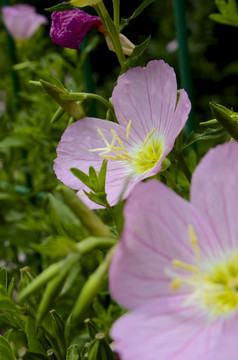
x,y
176,267
69,28
22,21
144,100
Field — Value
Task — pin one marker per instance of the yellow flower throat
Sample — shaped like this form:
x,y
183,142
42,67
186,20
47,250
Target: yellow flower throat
x,y
141,158
215,289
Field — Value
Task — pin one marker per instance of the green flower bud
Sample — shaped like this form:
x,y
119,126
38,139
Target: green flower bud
x,y
227,118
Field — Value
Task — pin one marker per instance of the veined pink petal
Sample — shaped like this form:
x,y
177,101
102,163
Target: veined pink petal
x,y
226,346
22,21
155,233
147,96
166,330
214,192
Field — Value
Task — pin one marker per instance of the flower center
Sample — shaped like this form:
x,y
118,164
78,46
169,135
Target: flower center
x,y
141,158
215,288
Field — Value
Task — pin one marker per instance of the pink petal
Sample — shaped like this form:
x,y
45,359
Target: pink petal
x,y
214,192
22,21
147,96
155,233
226,346
166,330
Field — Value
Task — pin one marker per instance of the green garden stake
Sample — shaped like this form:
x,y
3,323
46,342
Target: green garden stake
x,y
185,73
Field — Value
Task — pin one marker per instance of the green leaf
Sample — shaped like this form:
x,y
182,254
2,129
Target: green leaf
x,y
102,176
66,221
73,352
3,277
6,303
98,198
228,13
61,7
93,179
137,52
136,13
58,326
80,175
208,134
30,355
31,334
6,350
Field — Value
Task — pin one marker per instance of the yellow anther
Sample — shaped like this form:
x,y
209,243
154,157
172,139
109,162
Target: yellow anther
x,y
194,242
183,265
110,157
82,194
122,179
128,129
175,284
119,149
148,137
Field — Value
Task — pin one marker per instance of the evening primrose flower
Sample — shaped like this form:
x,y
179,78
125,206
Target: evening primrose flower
x,y
176,267
144,100
22,21
68,28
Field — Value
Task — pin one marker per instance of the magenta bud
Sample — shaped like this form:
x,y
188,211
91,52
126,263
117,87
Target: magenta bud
x,y
69,28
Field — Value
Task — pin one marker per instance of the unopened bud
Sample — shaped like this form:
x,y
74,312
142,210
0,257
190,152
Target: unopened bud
x,y
227,118
127,45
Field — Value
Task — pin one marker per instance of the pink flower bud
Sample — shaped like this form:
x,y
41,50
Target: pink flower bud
x,y
69,28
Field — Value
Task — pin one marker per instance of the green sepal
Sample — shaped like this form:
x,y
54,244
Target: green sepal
x,y
70,106
132,60
57,115
61,7
227,118
99,349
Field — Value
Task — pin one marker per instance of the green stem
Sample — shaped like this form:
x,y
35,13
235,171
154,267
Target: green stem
x,y
83,96
91,288
179,157
112,32
116,13
92,243
172,182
